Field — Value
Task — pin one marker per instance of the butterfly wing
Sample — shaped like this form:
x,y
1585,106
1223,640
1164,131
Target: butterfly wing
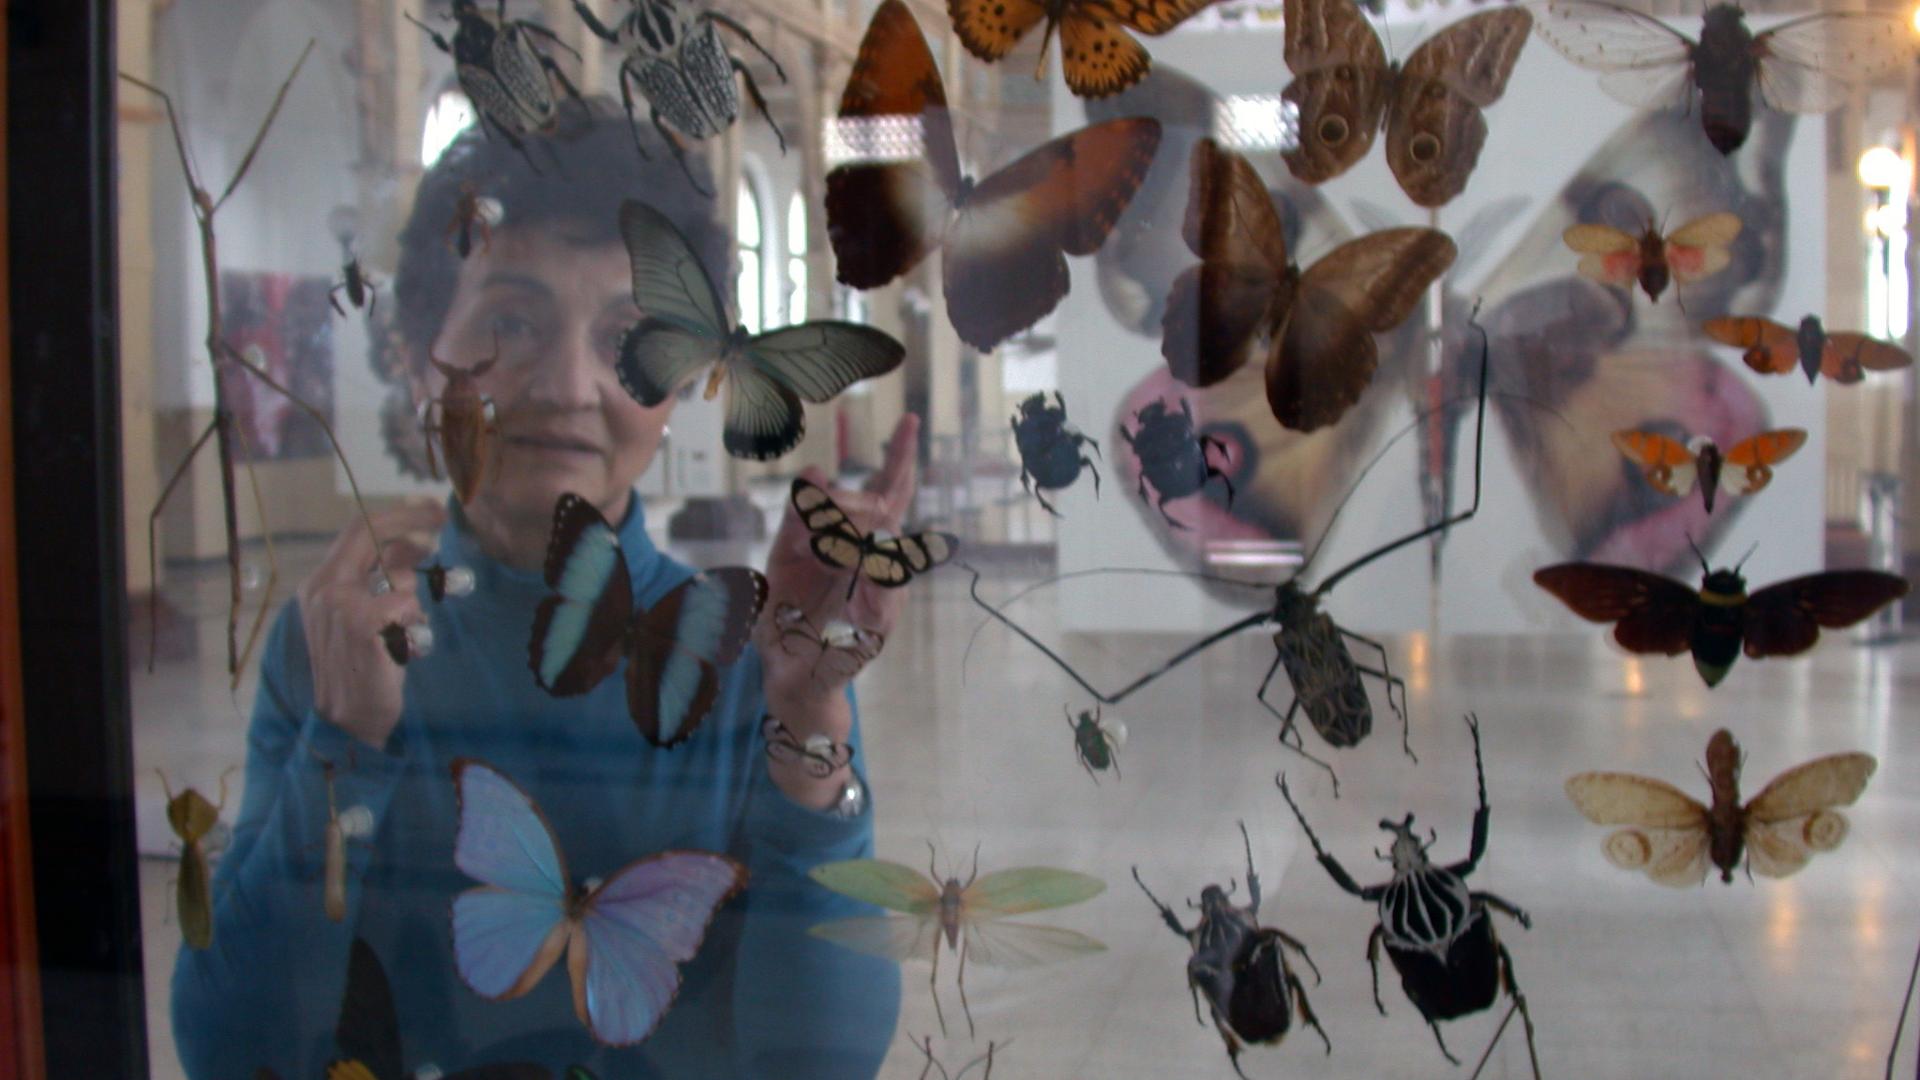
x,y
1785,618
1810,64
885,884
1666,834
507,933
1846,358
368,1031
1699,248
1324,360
1643,60
1793,817
668,281
1340,86
1749,464
1652,614
578,632
885,215
658,356
1215,310
990,28
1003,261
1435,129
1097,57
834,538
1608,255
821,358
895,561
1668,465
698,627
639,927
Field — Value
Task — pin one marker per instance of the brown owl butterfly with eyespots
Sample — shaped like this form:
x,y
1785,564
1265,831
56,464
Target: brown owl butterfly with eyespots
x,y
1316,326
1005,238
1345,87
1097,57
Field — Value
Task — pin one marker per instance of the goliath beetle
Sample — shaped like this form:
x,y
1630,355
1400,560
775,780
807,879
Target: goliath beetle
x,y
1096,742
1242,966
675,57
357,284
509,81
1173,455
1050,457
1308,643
1438,933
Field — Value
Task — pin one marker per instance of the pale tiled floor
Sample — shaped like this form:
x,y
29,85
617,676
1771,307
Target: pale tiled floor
x,y
1773,979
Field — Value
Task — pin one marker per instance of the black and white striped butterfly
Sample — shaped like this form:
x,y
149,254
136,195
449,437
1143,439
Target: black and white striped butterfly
x,y
888,561
686,327
674,649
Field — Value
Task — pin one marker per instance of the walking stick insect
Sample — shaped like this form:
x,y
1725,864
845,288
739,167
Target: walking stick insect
x,y
225,359
1308,643
1438,933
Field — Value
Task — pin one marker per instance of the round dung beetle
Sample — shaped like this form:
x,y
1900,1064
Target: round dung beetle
x,y
1173,455
1050,457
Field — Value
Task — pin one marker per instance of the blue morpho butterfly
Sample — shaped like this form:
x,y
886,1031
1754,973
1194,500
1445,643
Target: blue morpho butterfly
x,y
674,649
686,328
624,939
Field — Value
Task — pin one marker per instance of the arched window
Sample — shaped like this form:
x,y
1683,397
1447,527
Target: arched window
x,y
753,257
449,115
797,259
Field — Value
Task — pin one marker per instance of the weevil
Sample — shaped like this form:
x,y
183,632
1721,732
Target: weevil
x,y
1438,933
1242,966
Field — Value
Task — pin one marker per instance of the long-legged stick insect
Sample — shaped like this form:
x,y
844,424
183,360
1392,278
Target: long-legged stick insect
x,y
1906,1002
1438,933
925,1046
222,428
1308,643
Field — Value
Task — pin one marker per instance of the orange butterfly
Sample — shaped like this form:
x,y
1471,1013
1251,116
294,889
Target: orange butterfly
x,y
1695,250
1773,349
1096,56
1673,468
1006,237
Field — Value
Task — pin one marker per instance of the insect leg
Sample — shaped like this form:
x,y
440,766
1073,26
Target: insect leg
x,y
1448,1054
1519,1002
1095,473
1337,872
747,36
1288,724
679,154
1300,947
1166,913
1373,961
432,34
1162,507
1900,1025
933,988
333,298
1393,682
760,102
1480,815
1039,495
627,78
1306,1011
1504,907
494,127
1253,879
594,25
153,525
961,982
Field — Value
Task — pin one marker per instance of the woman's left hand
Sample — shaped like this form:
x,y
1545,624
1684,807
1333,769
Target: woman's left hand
x,y
803,693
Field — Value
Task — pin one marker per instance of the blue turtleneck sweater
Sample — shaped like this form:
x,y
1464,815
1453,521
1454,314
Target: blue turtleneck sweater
x,y
762,998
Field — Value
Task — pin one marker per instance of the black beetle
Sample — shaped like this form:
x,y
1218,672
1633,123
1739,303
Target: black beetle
x,y
1095,742
1050,457
1242,966
509,81
1438,933
1173,455
357,284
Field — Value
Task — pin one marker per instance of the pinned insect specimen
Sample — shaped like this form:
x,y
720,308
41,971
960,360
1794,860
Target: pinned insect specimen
x,y
357,284
1097,57
446,581
1438,933
1003,240
931,910
624,938
1656,614
1671,837
228,362
687,328
474,215
1615,257
1773,349
1313,328
1346,90
368,1032
506,76
1050,455
1307,642
673,650
1173,456
465,422
1096,742
1804,65
333,892
1242,966
675,57
1673,467
887,561
193,819
404,643
840,647
925,1046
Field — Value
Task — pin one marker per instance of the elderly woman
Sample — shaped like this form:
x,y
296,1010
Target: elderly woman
x,y
550,294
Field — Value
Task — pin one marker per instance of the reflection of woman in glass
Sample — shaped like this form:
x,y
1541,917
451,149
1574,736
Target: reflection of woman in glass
x,y
552,293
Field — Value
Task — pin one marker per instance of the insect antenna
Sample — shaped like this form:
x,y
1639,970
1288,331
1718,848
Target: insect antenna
x,y
1520,1006
1748,555
1899,1026
1704,568
1444,524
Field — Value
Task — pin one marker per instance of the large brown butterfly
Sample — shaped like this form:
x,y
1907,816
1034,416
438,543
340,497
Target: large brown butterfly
x,y
1344,86
1773,349
1096,56
1006,237
1315,326
1656,614
1671,837
1805,65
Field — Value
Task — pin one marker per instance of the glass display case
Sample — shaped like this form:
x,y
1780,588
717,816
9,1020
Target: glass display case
x,y
806,538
